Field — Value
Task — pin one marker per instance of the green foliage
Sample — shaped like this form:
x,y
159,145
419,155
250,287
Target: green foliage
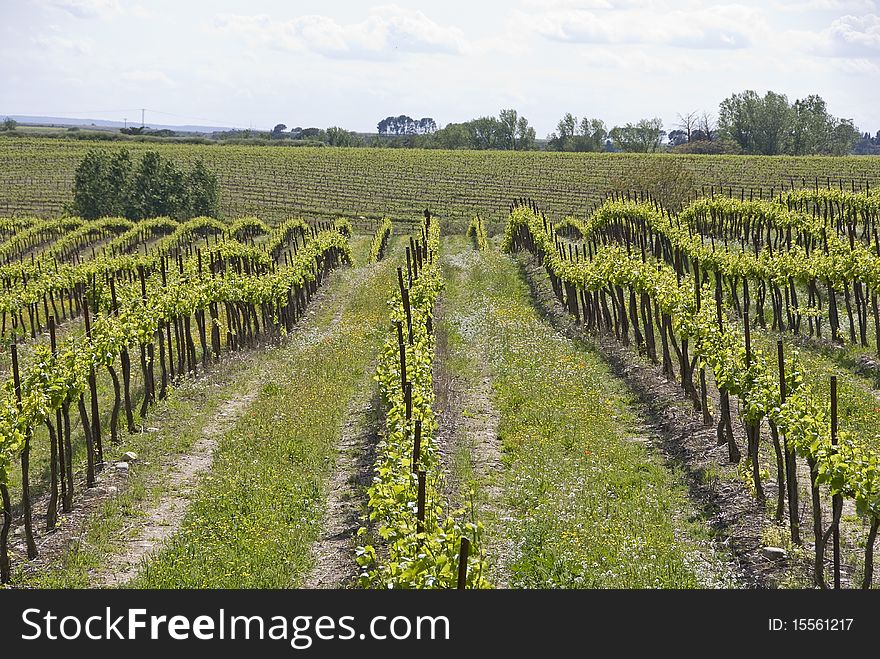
x,y
769,125
705,147
51,379
645,136
665,179
203,193
571,135
105,185
336,136
343,226
377,182
156,189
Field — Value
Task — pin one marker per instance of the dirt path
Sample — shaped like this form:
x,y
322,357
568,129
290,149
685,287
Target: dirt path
x,y
333,553
467,419
162,520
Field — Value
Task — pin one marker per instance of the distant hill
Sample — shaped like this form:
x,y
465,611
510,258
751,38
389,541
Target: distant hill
x,y
29,120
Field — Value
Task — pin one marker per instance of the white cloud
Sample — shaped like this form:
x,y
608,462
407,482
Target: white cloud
x,y
854,35
544,5
147,76
388,29
139,11
639,61
87,8
696,27
75,46
857,6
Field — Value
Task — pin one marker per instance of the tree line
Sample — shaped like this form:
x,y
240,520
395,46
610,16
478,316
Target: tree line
x,y
745,123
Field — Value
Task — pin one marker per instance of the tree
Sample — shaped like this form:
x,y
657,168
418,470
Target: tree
x,y
814,130
677,138
867,145
738,119
567,126
426,126
525,134
810,123
758,125
202,191
90,185
9,124
843,137
687,124
279,128
105,185
157,189
453,136
571,135
336,136
507,120
485,132
706,128
774,124
118,171
643,137
401,125
591,135
770,125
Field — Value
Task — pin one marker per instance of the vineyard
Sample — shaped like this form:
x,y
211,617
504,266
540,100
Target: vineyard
x,y
274,183
503,370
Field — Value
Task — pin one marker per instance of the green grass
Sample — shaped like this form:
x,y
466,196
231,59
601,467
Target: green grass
x,y
258,511
583,506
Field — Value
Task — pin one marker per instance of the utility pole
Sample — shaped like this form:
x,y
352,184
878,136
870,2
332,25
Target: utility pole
x,y
125,120
142,117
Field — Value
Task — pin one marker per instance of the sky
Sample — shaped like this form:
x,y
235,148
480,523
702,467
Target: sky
x,y
306,63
